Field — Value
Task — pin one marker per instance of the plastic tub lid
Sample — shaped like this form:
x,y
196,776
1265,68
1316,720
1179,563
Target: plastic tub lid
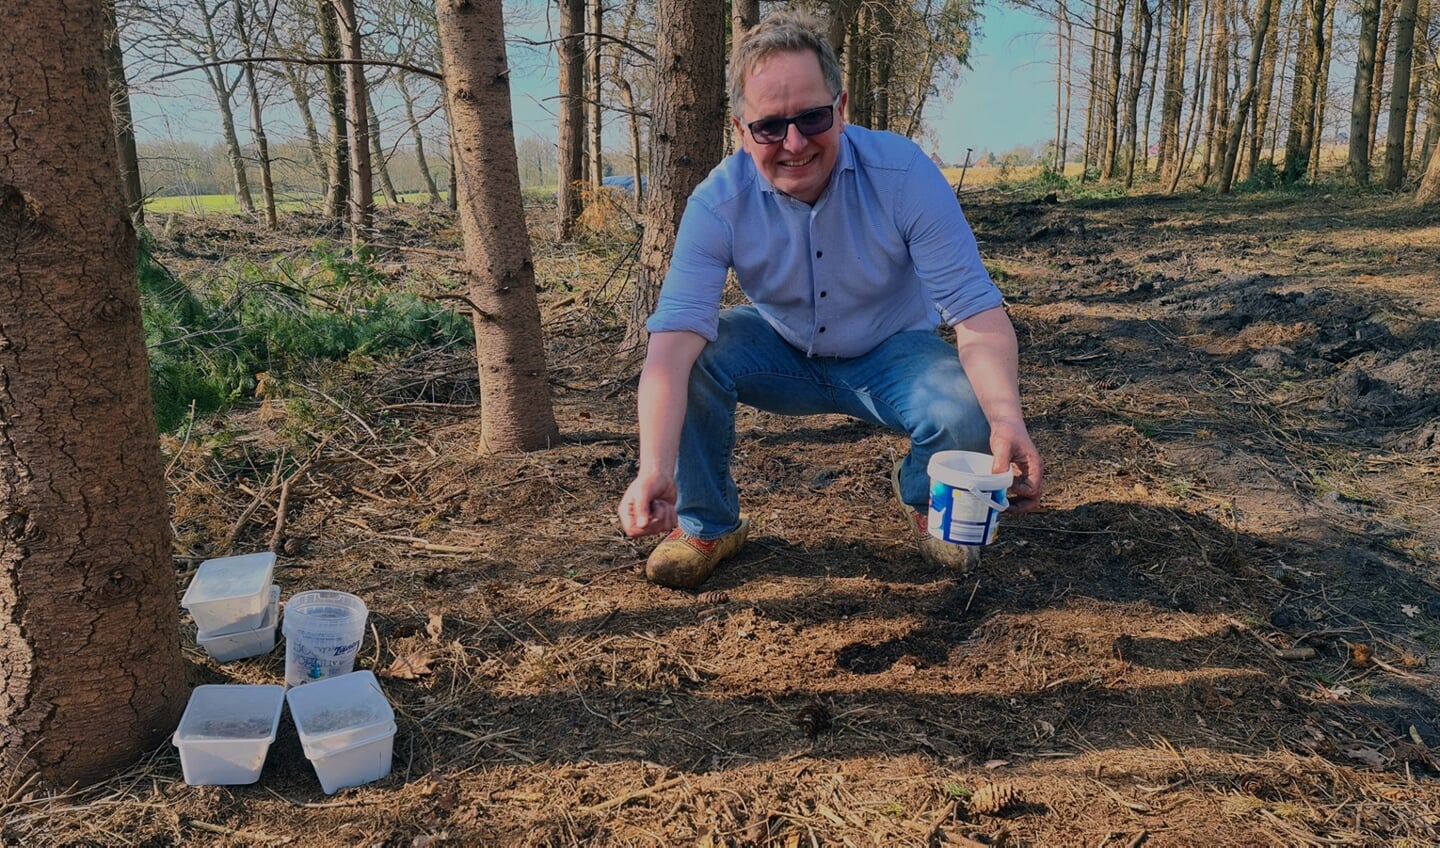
x,y
231,712
335,713
227,578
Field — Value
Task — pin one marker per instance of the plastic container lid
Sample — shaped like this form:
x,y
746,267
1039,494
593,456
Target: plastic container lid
x,y
336,713
226,591
228,711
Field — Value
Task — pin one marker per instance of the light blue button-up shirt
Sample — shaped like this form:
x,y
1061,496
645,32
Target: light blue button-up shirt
x,y
885,249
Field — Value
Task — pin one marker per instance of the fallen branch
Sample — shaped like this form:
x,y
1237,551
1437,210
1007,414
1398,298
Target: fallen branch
x,y
621,800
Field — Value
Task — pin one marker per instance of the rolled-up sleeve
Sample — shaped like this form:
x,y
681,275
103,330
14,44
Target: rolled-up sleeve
x,y
690,296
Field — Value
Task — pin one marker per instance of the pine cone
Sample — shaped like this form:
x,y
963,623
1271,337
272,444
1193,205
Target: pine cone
x,y
813,719
992,799
713,597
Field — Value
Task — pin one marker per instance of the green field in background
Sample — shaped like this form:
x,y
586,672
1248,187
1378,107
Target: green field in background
x,y
202,204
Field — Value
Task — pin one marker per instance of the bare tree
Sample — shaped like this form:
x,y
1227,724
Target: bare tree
x,y
90,667
124,119
1258,36
243,13
337,198
515,409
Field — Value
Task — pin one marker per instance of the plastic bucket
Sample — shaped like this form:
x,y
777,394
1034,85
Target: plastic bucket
x,y
965,498
323,631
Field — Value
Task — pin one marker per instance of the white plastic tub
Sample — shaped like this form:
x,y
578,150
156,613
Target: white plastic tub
x,y
246,643
347,728
230,594
226,732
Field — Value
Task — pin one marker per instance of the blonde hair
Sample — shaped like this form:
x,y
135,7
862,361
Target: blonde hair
x,y
782,32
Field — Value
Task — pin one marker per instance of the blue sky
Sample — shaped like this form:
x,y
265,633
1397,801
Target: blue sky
x,y
1004,100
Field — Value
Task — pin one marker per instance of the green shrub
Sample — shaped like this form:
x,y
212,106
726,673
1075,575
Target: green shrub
x,y
207,346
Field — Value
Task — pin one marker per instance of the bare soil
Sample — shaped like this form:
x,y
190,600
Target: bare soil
x,y
1222,629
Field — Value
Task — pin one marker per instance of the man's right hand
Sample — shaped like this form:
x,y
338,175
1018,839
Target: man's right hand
x,y
648,507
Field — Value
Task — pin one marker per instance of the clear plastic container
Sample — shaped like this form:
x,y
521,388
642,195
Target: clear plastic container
x,y
226,647
323,633
226,732
346,727
230,594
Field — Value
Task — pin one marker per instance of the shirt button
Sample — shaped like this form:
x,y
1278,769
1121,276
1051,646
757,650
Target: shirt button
x,y
822,329
819,253
822,294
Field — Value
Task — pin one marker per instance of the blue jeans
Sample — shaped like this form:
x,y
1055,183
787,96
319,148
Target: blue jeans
x,y
911,382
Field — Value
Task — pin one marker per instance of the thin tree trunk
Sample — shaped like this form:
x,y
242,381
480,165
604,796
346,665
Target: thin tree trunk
x,y
93,675
124,119
515,409
1148,119
1173,101
571,149
1265,89
1247,99
362,195
1382,52
1359,157
1198,80
337,196
1112,92
1322,97
224,91
1395,136
595,123
381,165
300,91
432,192
257,124
1139,57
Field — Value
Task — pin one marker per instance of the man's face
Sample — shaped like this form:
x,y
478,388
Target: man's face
x,y
784,85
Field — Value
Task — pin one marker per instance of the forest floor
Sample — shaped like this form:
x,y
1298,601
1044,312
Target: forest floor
x,y
1222,629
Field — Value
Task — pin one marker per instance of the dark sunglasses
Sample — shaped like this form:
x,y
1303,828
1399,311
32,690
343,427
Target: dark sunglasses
x,y
810,122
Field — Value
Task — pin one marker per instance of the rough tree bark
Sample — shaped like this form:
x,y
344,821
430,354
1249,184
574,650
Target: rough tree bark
x,y
357,124
690,61
1396,133
515,409
1359,159
90,668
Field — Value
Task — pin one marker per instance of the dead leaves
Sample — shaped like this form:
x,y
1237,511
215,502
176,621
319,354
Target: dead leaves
x,y
410,666
412,661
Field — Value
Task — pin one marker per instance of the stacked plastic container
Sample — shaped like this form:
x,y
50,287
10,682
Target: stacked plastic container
x,y
235,606
345,723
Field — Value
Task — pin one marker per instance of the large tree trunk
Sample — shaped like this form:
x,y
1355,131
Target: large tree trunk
x,y
689,53
1359,158
1247,99
1395,136
90,668
515,409
571,149
124,119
